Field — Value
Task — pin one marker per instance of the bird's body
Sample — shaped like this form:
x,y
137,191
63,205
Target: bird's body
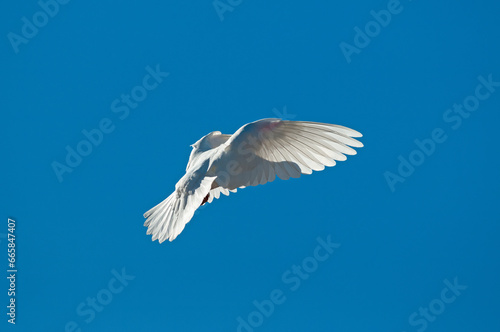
x,y
253,155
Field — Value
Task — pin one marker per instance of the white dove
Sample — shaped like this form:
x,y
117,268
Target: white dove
x,y
253,155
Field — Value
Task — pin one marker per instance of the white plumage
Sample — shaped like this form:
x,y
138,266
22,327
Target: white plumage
x,y
253,155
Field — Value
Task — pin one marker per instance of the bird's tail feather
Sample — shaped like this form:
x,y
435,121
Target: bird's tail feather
x,y
167,219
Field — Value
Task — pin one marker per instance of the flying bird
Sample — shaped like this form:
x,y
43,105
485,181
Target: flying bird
x,y
255,154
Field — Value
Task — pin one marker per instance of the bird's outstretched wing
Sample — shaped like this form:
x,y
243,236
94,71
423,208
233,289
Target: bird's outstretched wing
x,y
264,149
167,219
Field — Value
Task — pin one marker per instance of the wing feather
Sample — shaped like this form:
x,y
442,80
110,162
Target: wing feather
x,y
284,149
215,193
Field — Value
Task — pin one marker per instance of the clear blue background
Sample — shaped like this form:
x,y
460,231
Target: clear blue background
x,y
396,248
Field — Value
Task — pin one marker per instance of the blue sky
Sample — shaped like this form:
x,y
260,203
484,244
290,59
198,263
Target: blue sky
x,y
412,220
